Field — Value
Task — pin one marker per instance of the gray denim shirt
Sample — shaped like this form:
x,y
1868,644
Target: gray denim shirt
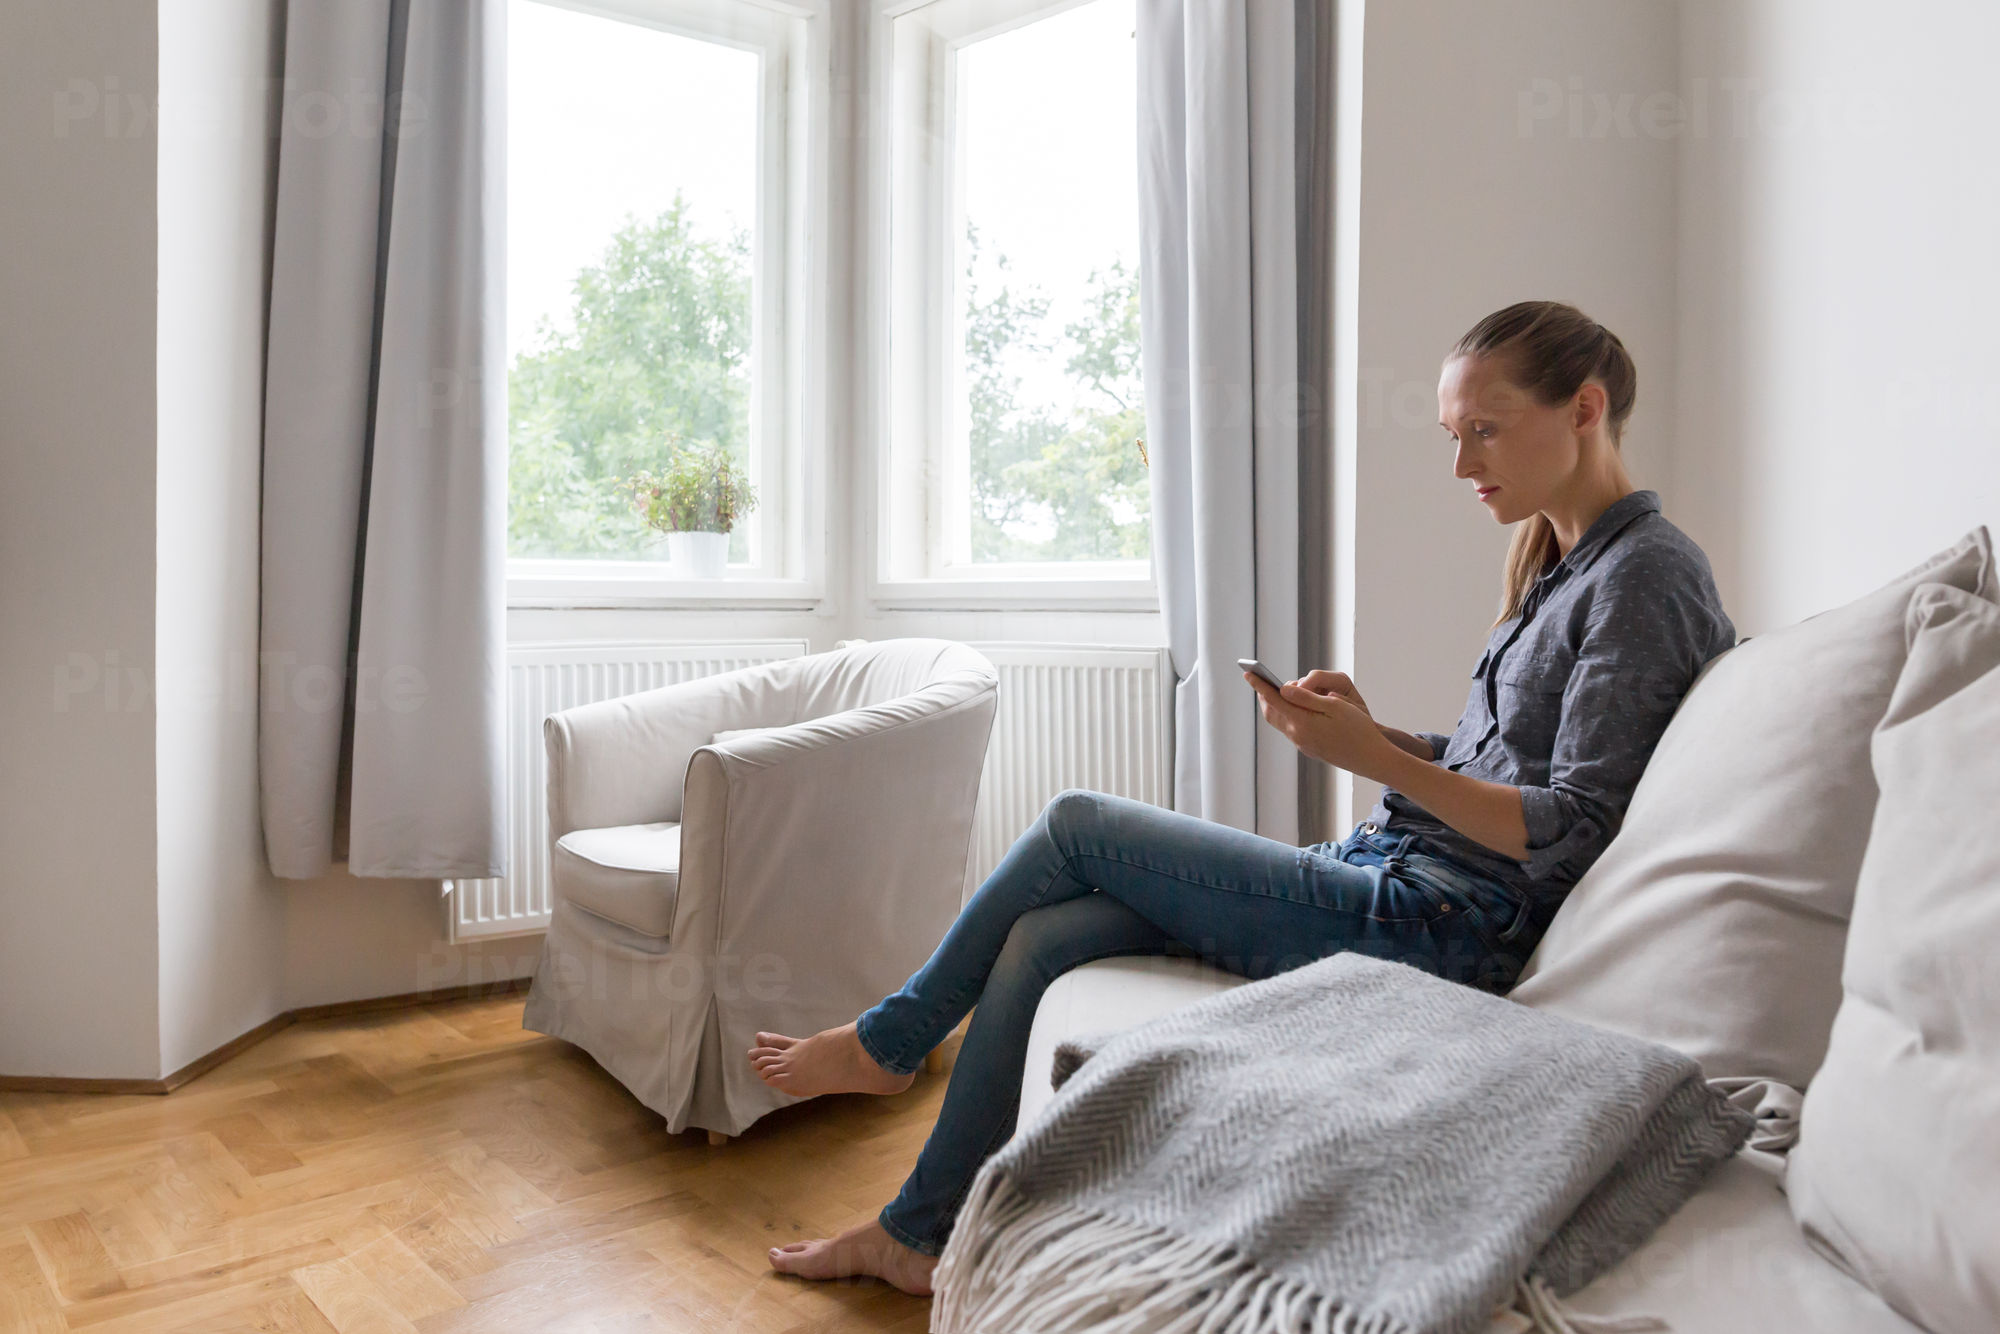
x,y
1571,696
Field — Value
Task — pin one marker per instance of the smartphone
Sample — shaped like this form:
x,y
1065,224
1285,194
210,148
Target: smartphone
x,y
1258,669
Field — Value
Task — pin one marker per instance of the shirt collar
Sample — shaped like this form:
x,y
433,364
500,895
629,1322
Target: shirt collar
x,y
1608,525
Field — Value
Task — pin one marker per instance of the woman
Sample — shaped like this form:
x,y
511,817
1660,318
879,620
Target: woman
x,y
1608,612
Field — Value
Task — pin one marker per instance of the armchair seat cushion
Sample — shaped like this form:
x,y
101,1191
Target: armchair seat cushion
x,y
629,874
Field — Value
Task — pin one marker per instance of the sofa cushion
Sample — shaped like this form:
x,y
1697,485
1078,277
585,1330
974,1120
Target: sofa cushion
x,y
1732,1261
1900,1135
1715,921
1109,996
629,873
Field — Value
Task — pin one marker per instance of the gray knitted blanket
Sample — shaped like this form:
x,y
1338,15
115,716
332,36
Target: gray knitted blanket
x,y
1353,1147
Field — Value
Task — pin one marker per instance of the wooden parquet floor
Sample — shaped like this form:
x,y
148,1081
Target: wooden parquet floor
x,y
434,1170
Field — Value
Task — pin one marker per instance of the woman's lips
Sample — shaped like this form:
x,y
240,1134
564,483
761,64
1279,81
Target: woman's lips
x,y
1486,491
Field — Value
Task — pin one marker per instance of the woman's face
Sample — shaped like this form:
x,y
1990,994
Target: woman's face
x,y
1520,454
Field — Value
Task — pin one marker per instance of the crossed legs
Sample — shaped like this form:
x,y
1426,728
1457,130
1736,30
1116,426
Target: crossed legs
x,y
1094,877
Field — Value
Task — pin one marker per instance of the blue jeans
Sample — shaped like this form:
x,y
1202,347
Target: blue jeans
x,y
1097,876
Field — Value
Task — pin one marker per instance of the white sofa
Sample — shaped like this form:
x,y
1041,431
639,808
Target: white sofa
x,y
1841,769
1731,1262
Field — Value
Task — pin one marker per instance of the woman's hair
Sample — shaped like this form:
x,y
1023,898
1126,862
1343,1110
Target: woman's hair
x,y
1550,349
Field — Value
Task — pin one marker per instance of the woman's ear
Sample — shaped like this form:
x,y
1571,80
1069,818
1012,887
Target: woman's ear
x,y
1591,404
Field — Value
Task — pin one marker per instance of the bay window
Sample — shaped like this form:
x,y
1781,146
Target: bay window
x,y
679,172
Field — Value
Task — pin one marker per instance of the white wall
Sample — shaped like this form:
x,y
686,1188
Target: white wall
x,y
221,919
78,989
1839,293
140,927
1472,195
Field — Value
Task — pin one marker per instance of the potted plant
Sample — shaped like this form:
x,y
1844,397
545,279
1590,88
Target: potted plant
x,y
695,498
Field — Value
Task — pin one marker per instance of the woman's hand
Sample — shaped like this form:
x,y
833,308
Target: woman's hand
x,y
1329,726
1325,717
1336,684
1339,685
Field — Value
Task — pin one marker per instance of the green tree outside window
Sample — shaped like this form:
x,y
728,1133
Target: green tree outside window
x,y
657,350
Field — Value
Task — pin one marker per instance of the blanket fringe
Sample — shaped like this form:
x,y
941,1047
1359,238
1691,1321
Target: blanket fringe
x,y
1015,1265
1547,1314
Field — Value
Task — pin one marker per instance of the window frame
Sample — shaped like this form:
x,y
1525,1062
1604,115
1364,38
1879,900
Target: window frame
x,y
789,279
919,482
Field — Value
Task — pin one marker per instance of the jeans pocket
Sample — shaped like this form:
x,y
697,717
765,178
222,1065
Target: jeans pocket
x,y
1433,900
1496,914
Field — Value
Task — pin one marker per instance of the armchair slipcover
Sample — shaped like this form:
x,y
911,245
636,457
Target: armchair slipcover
x,y
783,875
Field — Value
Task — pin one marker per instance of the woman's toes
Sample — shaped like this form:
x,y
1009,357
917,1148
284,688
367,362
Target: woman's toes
x,y
775,1071
815,1259
866,1249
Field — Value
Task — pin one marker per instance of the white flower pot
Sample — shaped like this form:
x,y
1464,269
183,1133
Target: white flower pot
x,y
698,555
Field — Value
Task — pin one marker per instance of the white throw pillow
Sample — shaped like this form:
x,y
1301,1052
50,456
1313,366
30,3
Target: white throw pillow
x,y
1897,1170
1714,922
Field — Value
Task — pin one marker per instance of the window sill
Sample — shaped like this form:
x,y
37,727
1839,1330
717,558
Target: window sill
x,y
1112,595
665,594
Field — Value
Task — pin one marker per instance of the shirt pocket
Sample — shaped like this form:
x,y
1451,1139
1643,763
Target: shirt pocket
x,y
1474,711
1528,699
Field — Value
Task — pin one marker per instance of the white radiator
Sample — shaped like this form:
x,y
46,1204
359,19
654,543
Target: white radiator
x,y
545,679
1071,716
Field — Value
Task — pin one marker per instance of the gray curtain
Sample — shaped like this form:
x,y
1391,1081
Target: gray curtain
x,y
1234,118
384,506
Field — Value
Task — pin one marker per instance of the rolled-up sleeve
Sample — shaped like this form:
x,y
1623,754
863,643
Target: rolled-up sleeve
x,y
1437,742
1647,633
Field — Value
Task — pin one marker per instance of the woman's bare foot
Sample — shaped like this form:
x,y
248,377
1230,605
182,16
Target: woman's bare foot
x,y
866,1249
830,1061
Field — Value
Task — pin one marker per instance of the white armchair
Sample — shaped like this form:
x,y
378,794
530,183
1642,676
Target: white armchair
x,y
773,848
